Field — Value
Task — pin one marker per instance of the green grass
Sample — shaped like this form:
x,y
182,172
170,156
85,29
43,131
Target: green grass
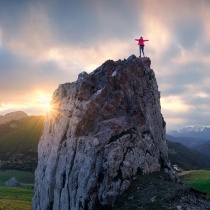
x,y
16,197
22,176
6,204
199,179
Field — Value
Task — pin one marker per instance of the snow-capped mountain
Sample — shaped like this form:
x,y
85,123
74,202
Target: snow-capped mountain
x,y
202,132
193,128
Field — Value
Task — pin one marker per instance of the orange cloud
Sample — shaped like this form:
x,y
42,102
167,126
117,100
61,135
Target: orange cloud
x,y
38,99
87,59
175,104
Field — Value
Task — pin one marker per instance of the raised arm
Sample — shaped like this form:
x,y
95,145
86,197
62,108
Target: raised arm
x,y
137,39
145,40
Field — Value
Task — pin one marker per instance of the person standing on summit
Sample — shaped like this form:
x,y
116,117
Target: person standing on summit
x,y
141,45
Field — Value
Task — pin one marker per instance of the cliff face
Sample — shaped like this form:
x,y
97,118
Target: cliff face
x,y
103,129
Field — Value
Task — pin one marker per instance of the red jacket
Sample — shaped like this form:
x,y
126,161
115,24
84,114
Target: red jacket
x,y
141,41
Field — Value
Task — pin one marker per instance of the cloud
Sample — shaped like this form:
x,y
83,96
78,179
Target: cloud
x,y
86,23
45,43
30,35
179,48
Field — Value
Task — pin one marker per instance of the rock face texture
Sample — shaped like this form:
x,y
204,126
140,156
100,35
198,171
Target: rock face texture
x,y
103,129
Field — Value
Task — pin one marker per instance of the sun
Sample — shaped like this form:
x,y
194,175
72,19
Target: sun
x,y
44,101
47,106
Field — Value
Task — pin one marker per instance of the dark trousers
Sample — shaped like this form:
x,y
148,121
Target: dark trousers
x,y
141,49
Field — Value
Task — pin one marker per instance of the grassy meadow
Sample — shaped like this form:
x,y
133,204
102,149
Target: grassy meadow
x,y
198,179
18,198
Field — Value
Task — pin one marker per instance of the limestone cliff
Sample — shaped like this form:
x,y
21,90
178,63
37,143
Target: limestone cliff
x,y
103,129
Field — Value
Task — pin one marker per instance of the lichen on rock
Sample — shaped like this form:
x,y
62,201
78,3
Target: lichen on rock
x,y
103,129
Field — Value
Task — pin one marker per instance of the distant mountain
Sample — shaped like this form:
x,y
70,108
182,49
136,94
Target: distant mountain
x,y
204,148
12,116
187,141
201,132
18,143
186,158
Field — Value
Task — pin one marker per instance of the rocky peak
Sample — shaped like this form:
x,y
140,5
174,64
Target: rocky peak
x,y
105,128
12,116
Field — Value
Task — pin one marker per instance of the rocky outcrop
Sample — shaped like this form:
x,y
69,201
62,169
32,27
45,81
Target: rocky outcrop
x,y
103,129
12,116
12,183
190,199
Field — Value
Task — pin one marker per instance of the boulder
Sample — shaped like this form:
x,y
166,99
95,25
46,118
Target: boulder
x,y
12,183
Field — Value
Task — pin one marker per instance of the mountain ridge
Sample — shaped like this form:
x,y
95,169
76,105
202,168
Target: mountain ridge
x,y
19,143
195,128
198,131
204,148
17,115
190,142
186,158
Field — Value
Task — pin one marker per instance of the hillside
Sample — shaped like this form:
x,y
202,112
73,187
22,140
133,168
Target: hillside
x,y
12,116
204,148
190,142
19,140
186,158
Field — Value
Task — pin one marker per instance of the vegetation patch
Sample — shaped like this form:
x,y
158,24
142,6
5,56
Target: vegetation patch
x,y
156,191
24,177
199,179
14,204
186,158
19,144
149,191
18,198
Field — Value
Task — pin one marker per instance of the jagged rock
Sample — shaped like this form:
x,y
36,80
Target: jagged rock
x,y
190,199
12,116
104,129
12,183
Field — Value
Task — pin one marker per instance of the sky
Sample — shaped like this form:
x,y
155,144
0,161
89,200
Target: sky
x,y
44,43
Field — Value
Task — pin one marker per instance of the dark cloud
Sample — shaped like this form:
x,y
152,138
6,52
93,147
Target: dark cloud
x,y
18,73
205,48
191,73
87,22
196,117
197,101
189,33
12,14
181,77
